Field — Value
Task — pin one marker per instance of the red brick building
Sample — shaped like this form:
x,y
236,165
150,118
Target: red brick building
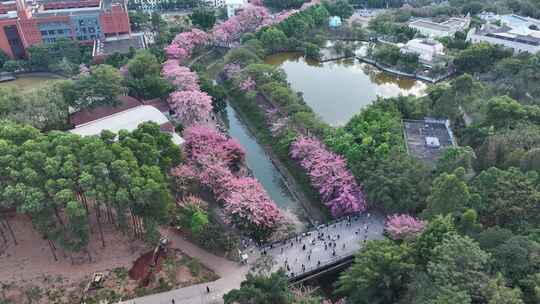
x,y
45,21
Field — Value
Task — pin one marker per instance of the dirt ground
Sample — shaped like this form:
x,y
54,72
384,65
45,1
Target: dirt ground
x,y
30,274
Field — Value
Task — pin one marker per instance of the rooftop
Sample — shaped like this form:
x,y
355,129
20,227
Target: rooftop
x,y
128,120
427,139
120,44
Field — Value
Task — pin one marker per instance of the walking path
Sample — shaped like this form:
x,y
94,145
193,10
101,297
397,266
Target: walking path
x,y
231,275
327,244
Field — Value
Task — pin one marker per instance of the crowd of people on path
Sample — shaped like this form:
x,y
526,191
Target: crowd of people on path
x,y
323,245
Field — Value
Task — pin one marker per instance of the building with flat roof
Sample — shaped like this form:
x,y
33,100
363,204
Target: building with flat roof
x,y
23,24
522,34
426,49
428,138
128,119
432,29
519,39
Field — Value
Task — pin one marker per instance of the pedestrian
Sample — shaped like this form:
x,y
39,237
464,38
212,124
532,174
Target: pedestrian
x,y
207,289
319,263
334,252
343,245
304,247
173,301
338,236
309,257
325,247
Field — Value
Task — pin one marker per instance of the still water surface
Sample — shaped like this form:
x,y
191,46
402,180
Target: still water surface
x,y
264,170
337,90
29,81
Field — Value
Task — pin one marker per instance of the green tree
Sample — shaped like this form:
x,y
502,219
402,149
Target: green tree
x,y
498,293
455,157
203,17
437,230
273,40
312,50
379,273
458,262
101,87
143,79
479,57
507,198
449,194
261,289
3,58
503,111
340,8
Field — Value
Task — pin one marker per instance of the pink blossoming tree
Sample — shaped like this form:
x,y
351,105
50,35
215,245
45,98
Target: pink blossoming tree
x,y
183,44
248,20
247,85
179,76
191,107
202,142
214,160
403,226
328,173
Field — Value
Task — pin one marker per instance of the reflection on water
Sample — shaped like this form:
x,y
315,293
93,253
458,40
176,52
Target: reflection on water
x,y
264,170
29,81
337,90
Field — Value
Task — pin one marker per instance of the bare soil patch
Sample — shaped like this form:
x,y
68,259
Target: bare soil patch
x,y
30,274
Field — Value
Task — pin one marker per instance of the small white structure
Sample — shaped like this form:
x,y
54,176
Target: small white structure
x,y
432,142
426,49
334,21
216,3
127,120
489,16
432,29
233,5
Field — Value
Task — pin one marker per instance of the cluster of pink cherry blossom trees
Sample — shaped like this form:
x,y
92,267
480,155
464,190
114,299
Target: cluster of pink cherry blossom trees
x,y
190,105
180,76
217,163
328,173
183,44
403,226
248,20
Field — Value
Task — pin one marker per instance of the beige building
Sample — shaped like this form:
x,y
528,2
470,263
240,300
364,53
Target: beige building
x,y
433,29
426,49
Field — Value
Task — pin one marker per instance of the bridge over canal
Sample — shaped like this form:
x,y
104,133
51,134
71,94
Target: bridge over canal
x,y
351,237
326,247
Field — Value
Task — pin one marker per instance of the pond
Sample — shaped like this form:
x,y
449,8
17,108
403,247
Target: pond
x,y
31,80
339,89
264,170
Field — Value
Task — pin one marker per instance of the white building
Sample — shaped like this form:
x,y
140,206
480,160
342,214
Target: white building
x,y
216,3
519,39
426,49
128,120
433,29
233,5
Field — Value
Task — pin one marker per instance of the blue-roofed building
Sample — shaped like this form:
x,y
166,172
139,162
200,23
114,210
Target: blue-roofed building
x,y
334,21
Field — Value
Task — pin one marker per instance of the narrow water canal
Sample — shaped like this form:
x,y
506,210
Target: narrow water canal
x,y
264,170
